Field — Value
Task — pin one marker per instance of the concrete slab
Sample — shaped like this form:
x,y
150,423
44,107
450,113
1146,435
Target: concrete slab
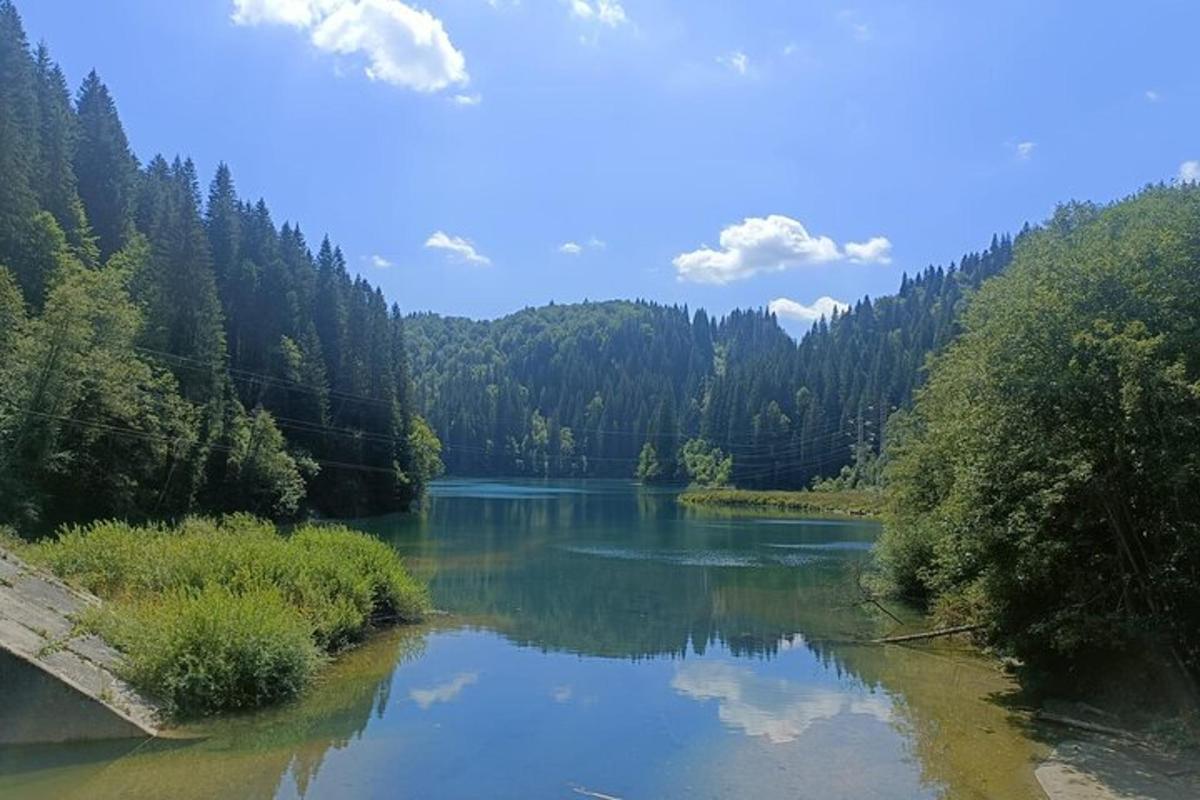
x,y
73,673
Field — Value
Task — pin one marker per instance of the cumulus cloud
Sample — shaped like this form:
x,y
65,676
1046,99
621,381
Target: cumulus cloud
x,y
457,247
1025,150
401,45
775,708
821,307
770,244
605,12
379,262
876,250
467,99
443,692
737,61
1189,172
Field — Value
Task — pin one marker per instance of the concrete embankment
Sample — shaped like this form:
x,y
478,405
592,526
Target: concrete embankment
x,y
56,683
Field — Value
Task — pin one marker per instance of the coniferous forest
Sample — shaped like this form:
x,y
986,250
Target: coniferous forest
x,y
607,389
165,346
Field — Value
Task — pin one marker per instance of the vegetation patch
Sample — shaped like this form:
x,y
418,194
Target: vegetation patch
x,y
1045,481
852,502
217,615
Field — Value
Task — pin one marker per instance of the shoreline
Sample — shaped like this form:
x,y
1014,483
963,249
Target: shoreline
x,y
865,504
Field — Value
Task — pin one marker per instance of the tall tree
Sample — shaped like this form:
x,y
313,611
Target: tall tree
x,y
104,167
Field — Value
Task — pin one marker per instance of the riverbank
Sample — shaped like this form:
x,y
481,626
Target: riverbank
x,y
849,502
229,614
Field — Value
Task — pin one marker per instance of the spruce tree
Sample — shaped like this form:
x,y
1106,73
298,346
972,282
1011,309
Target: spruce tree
x,y
105,167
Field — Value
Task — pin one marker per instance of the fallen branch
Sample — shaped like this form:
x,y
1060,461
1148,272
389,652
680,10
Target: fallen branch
x,y
913,637
1081,724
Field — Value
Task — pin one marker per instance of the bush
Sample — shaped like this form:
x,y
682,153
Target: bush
x,y
1045,480
213,650
182,601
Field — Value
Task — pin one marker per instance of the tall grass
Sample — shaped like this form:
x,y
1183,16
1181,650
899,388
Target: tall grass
x,y
226,614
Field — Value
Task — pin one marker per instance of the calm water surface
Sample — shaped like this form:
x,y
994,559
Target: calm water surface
x,y
601,642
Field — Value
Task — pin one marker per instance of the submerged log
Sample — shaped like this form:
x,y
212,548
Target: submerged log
x,y
913,637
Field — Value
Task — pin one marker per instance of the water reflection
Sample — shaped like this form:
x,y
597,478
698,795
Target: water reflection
x,y
777,708
600,636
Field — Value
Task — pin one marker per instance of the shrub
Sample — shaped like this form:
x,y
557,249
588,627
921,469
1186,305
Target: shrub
x,y
213,650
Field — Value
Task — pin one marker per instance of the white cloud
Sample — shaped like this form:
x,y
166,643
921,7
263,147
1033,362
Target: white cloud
x,y
876,250
300,13
402,45
457,247
1189,172
605,12
573,248
776,708
821,307
467,99
1153,96
443,692
379,262
769,244
737,61
1025,150
858,28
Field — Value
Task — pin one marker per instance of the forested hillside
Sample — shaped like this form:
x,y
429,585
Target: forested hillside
x,y
163,352
1045,482
602,389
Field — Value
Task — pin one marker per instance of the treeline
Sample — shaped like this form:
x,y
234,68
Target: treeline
x,y
163,353
1046,481
613,388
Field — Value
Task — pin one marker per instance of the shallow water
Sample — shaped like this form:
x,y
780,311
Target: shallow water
x,y
601,641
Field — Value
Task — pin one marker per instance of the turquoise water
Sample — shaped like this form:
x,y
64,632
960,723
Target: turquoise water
x,y
600,641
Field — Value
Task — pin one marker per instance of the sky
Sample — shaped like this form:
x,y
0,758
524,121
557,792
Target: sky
x,y
473,157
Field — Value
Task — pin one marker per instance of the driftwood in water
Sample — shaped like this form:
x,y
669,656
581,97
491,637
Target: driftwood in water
x,y
913,637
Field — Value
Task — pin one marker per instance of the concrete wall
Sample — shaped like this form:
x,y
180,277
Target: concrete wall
x,y
35,707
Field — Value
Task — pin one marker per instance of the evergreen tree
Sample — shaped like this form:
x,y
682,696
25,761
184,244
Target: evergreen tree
x,y
104,167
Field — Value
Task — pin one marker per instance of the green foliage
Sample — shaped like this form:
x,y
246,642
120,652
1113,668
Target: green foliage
x,y
87,426
648,467
1049,468
851,502
197,314
426,452
181,601
621,374
212,650
705,464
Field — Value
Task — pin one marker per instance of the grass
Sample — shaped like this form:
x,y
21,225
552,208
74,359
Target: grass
x,y
219,615
851,502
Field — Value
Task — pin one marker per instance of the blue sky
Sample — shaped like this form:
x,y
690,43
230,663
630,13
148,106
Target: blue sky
x,y
477,156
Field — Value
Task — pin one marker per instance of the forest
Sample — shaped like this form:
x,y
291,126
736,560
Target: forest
x,y
614,389
166,351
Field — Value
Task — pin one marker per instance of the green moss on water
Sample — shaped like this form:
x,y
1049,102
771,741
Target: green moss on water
x,y
849,502
218,615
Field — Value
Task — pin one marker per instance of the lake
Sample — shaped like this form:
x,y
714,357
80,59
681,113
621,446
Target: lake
x,y
601,641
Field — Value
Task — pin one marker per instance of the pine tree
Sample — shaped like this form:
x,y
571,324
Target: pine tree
x,y
18,141
56,184
104,167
